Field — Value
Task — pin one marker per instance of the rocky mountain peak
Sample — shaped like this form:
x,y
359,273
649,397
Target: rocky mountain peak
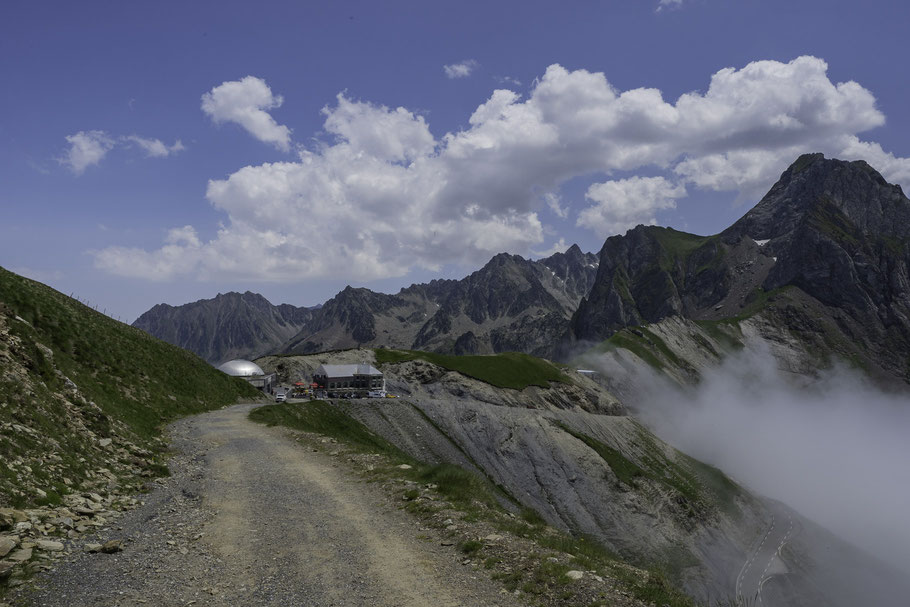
x,y
813,186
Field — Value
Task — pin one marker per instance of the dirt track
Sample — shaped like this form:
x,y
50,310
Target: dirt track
x,y
250,517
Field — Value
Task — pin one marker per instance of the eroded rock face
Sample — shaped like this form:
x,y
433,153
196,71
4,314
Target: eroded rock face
x,y
823,256
550,449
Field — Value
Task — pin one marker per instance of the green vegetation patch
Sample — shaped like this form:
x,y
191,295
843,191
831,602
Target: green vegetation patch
x,y
323,418
831,220
696,481
655,590
135,378
128,385
663,348
627,339
320,417
679,244
624,469
724,332
507,370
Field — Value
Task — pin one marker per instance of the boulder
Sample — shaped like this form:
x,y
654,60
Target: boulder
x,y
20,556
49,545
112,546
6,545
6,568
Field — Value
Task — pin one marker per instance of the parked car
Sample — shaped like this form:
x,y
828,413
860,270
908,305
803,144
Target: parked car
x,y
280,397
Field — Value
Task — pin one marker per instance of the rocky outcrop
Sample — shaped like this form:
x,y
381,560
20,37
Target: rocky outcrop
x,y
228,326
824,256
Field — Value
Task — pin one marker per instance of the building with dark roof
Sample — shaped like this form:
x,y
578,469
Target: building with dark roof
x,y
358,379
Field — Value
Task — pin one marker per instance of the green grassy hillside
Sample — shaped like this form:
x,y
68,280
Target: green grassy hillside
x,y
507,370
70,378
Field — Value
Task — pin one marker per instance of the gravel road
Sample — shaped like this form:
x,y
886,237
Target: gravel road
x,y
250,517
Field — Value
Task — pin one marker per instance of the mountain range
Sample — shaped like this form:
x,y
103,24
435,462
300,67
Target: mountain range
x,y
510,304
822,258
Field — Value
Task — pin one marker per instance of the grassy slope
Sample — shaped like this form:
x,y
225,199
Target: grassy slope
x,y
129,383
507,370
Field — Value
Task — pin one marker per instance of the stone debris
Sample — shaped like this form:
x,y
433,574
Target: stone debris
x,y
7,544
22,555
112,546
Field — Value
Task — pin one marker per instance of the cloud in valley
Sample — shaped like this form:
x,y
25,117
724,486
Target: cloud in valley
x,y
380,194
836,450
245,102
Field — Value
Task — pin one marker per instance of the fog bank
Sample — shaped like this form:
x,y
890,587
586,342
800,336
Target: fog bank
x,y
836,449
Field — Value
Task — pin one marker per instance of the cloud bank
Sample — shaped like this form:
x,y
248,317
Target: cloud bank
x,y
836,450
380,195
245,102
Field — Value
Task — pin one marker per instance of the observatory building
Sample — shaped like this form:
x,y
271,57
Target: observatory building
x,y
251,372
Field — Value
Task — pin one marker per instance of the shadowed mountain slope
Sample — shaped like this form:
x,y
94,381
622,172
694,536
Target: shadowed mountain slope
x,y
823,257
232,325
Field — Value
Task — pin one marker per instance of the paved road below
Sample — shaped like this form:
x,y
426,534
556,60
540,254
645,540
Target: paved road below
x,y
250,517
764,560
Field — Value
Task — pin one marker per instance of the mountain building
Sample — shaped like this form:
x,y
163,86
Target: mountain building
x,y
361,379
251,372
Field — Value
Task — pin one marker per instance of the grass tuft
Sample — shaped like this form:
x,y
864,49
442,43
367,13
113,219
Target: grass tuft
x,y
507,370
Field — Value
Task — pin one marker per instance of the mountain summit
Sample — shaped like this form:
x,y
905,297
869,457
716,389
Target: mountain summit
x,y
823,256
227,326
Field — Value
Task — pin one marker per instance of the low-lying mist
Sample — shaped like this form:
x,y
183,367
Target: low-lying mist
x,y
836,449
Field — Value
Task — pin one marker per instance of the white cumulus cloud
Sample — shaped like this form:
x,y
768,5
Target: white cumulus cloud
x,y
665,4
155,148
382,195
623,204
245,102
86,148
461,69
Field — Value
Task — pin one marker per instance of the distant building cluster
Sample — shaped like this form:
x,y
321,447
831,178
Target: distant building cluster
x,y
329,381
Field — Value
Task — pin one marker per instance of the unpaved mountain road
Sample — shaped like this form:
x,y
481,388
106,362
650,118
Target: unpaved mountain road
x,y
250,517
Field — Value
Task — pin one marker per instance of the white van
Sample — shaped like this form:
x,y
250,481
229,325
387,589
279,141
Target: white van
x,y
376,394
280,397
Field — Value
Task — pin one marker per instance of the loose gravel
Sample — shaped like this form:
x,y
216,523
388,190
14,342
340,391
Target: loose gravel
x,y
250,517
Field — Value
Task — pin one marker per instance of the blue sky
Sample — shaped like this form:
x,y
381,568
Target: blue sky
x,y
171,151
